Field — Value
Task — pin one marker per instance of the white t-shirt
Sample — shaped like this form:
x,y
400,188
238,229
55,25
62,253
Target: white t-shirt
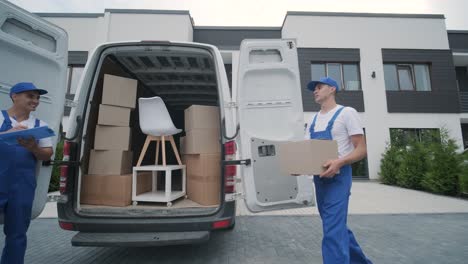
x,y
346,125
30,123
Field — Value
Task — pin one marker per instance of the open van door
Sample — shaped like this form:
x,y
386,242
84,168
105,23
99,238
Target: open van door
x,y
34,50
270,110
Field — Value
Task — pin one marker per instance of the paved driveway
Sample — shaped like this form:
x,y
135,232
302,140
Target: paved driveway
x,y
418,238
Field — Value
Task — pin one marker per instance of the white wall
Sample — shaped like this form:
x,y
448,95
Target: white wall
x,y
86,33
83,33
150,27
371,35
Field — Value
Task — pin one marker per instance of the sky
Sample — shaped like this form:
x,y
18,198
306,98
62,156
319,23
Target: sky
x,y
259,13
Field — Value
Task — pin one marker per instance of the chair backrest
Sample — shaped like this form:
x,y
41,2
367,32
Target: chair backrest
x,y
154,116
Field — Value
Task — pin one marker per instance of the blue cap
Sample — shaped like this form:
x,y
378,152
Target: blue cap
x,y
24,87
324,80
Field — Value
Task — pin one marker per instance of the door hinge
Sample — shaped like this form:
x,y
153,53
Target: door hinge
x,y
60,162
235,196
70,103
231,104
246,162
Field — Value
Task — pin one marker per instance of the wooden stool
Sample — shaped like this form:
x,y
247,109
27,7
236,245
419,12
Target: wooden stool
x,y
158,139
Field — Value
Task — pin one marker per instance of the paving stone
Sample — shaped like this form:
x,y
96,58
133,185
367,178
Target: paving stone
x,y
404,238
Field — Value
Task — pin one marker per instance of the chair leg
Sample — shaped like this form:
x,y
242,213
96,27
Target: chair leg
x,y
143,151
171,139
163,141
157,151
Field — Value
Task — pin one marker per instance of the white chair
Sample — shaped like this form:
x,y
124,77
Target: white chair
x,y
157,124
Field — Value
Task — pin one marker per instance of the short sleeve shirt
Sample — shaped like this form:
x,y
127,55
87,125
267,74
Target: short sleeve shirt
x,y
347,124
29,123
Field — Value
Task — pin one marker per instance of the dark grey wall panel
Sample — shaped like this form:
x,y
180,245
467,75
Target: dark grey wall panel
x,y
422,102
77,57
458,41
307,55
462,78
230,38
444,96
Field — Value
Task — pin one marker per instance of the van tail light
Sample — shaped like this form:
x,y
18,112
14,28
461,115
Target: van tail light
x,y
64,168
66,226
221,224
230,171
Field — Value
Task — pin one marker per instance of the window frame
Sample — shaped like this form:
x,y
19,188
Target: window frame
x,y
413,75
340,63
417,132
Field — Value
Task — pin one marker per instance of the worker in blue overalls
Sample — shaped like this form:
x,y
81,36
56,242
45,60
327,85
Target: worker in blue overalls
x,y
18,169
333,186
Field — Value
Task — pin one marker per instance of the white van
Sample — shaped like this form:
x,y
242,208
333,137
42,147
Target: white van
x,y
264,108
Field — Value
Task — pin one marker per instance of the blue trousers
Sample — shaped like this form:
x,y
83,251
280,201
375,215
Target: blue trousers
x,y
16,206
339,246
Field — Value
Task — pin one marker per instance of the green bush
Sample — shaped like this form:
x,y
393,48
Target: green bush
x,y
464,175
413,166
55,178
389,165
427,161
445,167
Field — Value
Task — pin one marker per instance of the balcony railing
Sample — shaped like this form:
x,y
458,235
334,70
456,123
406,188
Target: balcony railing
x,y
464,101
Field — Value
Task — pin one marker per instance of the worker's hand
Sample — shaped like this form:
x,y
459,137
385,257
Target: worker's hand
x,y
17,128
332,167
28,143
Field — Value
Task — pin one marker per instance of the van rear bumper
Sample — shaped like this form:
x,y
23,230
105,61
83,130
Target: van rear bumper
x,y
139,239
68,217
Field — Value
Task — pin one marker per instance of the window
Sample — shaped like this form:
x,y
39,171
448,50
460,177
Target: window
x,y
73,77
407,77
403,136
346,74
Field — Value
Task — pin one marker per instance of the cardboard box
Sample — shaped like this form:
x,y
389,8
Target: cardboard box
x,y
200,141
111,190
112,138
119,91
110,162
205,191
144,182
202,117
306,157
204,165
111,115
203,178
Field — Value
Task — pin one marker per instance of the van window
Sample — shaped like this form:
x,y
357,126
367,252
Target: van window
x,y
26,33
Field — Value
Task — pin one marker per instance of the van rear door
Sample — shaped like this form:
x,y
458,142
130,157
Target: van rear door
x,y
270,110
34,50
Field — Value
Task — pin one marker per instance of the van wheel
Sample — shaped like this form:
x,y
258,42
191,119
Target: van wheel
x,y
169,204
135,203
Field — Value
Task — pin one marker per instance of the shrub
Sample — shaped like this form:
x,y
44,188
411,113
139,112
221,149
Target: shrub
x,y
445,167
413,166
389,165
55,178
464,175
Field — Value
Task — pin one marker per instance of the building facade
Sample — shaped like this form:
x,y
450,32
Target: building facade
x,y
403,73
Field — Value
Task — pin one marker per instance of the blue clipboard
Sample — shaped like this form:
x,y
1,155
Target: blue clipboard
x,y
11,138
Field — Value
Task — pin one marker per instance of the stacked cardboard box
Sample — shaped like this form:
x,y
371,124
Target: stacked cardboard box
x,y
200,150
110,165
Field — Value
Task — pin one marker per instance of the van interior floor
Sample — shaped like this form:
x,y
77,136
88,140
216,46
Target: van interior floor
x,y
144,209
179,203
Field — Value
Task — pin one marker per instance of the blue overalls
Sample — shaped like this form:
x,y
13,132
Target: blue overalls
x,y
338,245
17,186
